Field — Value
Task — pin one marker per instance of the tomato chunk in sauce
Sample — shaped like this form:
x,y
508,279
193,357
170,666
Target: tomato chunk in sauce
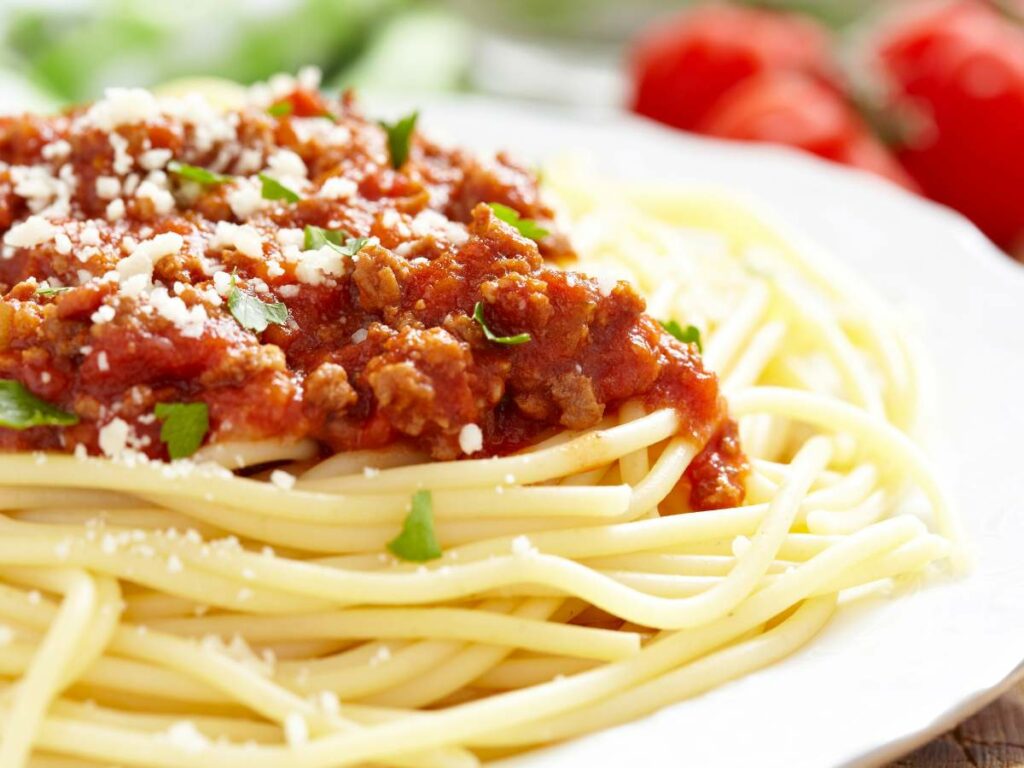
x,y
380,344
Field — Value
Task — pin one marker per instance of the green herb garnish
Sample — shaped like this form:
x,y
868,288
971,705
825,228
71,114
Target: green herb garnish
x,y
478,315
338,239
48,291
527,227
275,190
417,542
197,174
20,409
400,138
688,335
281,109
253,313
184,427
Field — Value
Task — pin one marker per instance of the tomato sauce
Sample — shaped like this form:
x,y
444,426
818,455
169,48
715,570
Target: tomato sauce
x,y
380,344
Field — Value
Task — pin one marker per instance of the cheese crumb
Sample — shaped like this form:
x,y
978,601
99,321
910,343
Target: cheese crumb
x,y
107,187
523,547
471,438
186,736
282,479
62,243
245,198
139,266
296,731
115,210
103,314
35,230
113,438
338,188
244,238
316,267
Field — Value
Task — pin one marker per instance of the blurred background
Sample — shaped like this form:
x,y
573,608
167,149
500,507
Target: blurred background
x,y
928,94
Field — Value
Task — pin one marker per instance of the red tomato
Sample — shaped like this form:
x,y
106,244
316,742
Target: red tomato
x,y
957,70
792,109
683,66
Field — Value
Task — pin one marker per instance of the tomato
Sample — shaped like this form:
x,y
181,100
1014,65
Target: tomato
x,y
793,109
955,71
682,67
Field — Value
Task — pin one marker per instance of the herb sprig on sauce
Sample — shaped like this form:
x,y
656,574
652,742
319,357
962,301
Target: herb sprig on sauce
x,y
20,409
688,335
478,315
526,227
184,427
399,136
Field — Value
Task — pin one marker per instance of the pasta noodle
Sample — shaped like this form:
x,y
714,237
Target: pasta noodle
x,y
197,614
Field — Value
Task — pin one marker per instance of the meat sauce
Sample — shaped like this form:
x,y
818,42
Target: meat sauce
x,y
379,346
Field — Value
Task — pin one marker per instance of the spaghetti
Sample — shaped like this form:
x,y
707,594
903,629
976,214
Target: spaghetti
x,y
264,604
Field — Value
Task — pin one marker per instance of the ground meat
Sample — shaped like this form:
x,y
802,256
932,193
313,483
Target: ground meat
x,y
328,390
380,343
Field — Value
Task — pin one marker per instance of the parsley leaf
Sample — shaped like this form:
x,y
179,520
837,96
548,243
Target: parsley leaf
x,y
688,335
275,190
52,291
281,109
417,542
527,227
252,313
184,427
20,409
338,239
478,315
400,138
197,174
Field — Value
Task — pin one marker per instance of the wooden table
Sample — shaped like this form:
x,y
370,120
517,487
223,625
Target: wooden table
x,y
994,738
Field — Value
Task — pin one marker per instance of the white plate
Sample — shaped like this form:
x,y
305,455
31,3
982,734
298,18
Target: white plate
x,y
887,676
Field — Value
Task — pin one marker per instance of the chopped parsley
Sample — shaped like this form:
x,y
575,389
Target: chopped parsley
x,y
252,313
478,315
338,239
688,335
281,109
184,427
52,291
275,190
197,174
328,115
400,138
20,409
527,227
417,542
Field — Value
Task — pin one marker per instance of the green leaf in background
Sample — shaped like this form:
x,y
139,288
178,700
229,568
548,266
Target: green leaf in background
x,y
275,190
400,138
184,427
688,335
527,227
20,409
75,50
417,542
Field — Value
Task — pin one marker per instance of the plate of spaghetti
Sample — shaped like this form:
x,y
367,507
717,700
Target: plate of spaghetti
x,y
328,442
